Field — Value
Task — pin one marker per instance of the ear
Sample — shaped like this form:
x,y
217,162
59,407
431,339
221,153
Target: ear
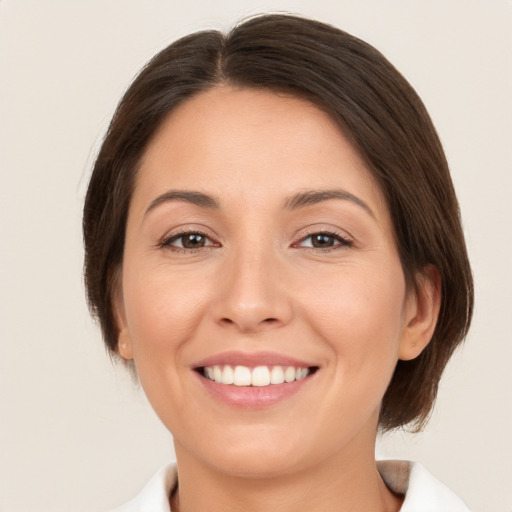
x,y
422,312
124,342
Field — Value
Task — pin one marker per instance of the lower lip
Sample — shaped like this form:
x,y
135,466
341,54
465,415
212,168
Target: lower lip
x,y
253,397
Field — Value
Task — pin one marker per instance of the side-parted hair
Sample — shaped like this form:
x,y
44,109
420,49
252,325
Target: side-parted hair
x,y
374,107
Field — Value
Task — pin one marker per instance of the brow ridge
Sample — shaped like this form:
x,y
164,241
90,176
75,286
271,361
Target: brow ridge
x,y
297,201
312,197
191,196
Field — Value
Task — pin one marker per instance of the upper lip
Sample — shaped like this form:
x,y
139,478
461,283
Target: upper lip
x,y
252,359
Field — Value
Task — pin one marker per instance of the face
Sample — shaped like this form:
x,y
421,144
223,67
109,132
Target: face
x,y
262,297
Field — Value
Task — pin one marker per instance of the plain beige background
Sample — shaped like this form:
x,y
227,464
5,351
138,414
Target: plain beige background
x,y
75,434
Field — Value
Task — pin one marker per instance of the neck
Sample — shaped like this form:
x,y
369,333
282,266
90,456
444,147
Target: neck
x,y
347,481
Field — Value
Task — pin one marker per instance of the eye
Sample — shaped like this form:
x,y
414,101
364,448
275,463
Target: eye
x,y
188,241
324,241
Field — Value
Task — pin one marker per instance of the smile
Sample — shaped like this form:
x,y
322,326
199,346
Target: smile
x,y
259,376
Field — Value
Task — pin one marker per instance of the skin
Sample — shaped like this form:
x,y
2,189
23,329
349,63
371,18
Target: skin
x,y
258,284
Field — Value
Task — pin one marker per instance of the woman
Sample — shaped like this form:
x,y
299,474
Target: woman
x,y
273,244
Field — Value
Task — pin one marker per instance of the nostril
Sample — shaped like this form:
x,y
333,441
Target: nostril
x,y
250,320
264,321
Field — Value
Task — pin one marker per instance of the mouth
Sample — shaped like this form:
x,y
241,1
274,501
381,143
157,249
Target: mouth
x,y
257,376
254,381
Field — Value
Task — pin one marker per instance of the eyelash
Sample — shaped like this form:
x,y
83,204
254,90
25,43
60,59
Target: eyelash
x,y
167,242
341,240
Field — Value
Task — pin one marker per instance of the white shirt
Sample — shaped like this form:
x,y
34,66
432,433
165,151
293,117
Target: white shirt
x,y
423,492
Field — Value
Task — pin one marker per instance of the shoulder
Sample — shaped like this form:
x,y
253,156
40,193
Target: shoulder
x,y
423,492
154,497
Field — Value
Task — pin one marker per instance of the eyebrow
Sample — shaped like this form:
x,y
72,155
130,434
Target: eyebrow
x,y
312,197
297,201
191,196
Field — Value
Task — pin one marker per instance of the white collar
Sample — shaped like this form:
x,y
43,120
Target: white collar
x,y
423,492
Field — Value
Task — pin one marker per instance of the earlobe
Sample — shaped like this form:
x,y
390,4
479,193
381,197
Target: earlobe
x,y
422,313
124,344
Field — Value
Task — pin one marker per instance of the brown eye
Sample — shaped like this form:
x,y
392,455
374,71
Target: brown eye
x,y
324,241
192,240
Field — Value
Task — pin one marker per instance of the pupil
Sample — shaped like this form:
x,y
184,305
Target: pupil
x,y
193,241
322,241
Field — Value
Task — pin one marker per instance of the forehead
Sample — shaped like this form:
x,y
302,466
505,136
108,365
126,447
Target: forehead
x,y
251,145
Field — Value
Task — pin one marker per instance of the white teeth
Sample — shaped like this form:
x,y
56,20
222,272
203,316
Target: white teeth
x,y
242,376
289,374
259,376
301,373
227,375
217,373
277,375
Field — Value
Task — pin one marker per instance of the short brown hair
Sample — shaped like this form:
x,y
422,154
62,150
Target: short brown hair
x,y
374,106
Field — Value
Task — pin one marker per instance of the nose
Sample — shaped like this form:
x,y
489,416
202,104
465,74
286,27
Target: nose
x,y
253,294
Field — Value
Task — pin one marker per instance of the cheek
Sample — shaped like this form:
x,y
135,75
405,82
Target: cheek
x,y
360,314
162,312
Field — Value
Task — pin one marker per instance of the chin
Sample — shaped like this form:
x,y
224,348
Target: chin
x,y
252,452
